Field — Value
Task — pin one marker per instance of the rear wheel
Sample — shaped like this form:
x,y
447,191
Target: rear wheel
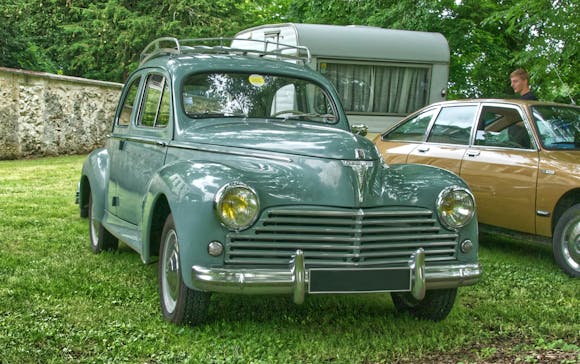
x,y
566,241
436,305
179,303
101,238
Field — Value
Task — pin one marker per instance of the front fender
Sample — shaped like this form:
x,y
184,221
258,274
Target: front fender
x,y
189,189
94,177
416,184
420,185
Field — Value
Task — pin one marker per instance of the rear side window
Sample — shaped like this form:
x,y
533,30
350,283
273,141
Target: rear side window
x,y
129,103
453,125
502,127
156,103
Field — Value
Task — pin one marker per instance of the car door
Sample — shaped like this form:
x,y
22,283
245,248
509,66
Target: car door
x,y
398,143
126,112
448,138
501,167
145,150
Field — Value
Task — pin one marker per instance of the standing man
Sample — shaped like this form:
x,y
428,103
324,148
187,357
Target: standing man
x,y
521,84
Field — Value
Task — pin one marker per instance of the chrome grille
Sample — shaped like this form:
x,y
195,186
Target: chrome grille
x,y
345,237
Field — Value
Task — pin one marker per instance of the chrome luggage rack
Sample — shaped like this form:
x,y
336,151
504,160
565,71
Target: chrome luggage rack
x,y
173,46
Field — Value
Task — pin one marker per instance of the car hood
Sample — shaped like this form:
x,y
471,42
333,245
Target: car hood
x,y
291,138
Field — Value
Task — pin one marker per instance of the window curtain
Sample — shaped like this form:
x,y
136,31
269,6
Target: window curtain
x,y
379,89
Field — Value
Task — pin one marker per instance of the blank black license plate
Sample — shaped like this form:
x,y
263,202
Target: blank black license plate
x,y
323,280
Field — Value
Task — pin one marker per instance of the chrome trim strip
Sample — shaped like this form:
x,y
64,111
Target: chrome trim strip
x,y
295,279
242,153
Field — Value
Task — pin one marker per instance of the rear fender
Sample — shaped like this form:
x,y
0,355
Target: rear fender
x,y
94,177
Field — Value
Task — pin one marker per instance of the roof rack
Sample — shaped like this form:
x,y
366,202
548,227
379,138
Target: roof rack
x,y
173,46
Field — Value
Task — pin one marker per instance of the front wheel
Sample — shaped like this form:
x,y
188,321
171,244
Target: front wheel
x,y
436,305
566,241
179,304
101,238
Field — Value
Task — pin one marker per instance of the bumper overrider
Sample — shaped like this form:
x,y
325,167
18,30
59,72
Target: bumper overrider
x,y
297,280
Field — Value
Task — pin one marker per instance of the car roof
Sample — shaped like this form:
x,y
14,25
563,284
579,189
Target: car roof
x,y
511,102
180,65
224,62
214,53
495,100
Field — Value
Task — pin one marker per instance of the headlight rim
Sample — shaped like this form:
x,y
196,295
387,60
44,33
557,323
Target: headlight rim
x,y
440,198
219,198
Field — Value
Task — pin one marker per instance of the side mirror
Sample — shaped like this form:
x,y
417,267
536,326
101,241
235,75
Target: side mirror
x,y
359,129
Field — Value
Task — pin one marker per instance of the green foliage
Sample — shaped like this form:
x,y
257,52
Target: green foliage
x,y
487,38
63,304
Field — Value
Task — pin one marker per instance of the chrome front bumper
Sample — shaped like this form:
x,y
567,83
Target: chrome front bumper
x,y
295,279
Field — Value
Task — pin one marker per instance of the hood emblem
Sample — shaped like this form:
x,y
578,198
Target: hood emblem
x,y
360,169
359,154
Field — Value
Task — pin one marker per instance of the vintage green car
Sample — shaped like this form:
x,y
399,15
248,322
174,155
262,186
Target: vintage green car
x,y
238,169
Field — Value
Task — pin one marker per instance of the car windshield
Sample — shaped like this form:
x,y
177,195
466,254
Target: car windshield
x,y
558,126
251,95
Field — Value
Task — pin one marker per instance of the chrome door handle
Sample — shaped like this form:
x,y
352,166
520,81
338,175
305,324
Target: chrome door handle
x,y
423,149
472,153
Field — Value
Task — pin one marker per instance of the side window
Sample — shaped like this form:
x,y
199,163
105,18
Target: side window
x,y
453,125
156,103
129,103
502,127
414,129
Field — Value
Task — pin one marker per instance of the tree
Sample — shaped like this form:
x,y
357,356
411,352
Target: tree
x,y
487,38
551,51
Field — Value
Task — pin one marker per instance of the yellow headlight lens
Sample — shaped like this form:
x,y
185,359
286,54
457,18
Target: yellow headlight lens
x,y
237,206
455,207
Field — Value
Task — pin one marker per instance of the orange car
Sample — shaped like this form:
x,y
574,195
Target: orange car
x,y
520,158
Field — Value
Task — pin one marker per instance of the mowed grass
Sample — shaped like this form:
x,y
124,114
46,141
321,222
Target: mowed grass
x,y
60,303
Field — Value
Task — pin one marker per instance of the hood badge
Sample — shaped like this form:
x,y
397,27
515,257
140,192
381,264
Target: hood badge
x,y
359,153
360,169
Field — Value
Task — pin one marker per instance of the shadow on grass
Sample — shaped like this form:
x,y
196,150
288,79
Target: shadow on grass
x,y
514,244
323,309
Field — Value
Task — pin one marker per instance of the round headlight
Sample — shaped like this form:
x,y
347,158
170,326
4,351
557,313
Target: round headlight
x,y
236,206
455,207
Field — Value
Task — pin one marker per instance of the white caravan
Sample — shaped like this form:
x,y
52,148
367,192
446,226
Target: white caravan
x,y
381,74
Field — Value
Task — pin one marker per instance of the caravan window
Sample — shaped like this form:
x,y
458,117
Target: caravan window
x,y
379,89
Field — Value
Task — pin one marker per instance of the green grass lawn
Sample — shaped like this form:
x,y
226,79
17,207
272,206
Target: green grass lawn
x,y
61,303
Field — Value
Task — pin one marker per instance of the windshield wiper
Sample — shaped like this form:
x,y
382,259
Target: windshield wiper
x,y
216,114
310,116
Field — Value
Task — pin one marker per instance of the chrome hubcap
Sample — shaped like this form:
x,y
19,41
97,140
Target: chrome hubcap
x,y
170,271
571,243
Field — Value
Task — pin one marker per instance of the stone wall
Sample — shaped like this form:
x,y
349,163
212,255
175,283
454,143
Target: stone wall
x,y
44,114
